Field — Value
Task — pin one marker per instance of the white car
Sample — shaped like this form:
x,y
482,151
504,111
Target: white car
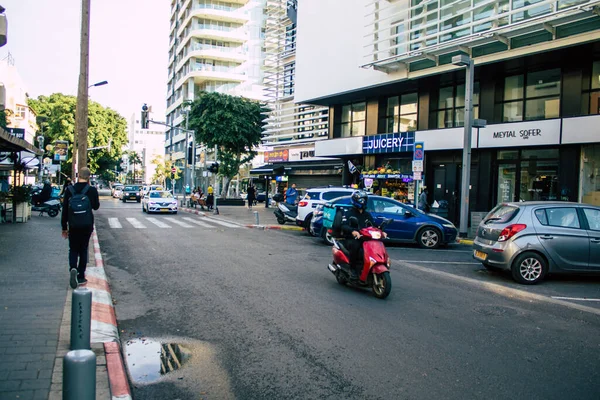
x,y
314,197
159,201
117,192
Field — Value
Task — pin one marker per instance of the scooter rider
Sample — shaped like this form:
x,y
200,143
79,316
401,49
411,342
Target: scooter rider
x,y
351,233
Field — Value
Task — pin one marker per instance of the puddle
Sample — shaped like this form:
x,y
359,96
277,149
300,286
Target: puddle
x,y
148,360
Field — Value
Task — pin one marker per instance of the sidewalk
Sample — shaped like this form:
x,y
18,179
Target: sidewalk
x,y
35,311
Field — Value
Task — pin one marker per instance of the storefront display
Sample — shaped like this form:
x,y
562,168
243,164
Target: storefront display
x,y
388,182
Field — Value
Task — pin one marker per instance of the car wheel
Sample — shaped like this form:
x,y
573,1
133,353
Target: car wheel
x,y
139,200
307,224
326,236
175,212
529,268
429,238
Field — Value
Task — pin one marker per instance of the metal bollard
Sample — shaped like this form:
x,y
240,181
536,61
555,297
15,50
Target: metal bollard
x,y
79,375
81,319
256,218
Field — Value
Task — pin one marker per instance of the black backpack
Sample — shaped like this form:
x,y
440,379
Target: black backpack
x,y
80,209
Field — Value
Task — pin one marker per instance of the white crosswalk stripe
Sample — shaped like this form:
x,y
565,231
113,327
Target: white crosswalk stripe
x,y
180,223
114,223
158,223
136,224
227,224
197,222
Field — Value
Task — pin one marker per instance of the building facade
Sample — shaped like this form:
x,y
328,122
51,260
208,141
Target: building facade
x,y
215,45
292,128
385,73
148,144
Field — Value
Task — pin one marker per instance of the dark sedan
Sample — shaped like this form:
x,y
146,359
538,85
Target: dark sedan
x,y
409,224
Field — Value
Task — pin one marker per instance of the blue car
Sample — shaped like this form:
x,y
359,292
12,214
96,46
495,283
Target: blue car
x,y
409,224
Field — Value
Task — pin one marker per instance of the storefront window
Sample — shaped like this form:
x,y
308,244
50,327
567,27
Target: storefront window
x,y
451,105
533,96
590,184
353,119
400,114
595,89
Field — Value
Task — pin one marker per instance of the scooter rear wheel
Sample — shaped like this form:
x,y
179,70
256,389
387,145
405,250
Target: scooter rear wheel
x,y
382,285
53,212
281,221
341,279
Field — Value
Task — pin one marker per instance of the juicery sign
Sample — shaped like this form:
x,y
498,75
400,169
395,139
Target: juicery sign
x,y
389,143
532,133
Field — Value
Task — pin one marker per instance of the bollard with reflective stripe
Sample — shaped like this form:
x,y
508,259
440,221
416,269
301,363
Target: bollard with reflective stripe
x,y
81,319
256,218
79,375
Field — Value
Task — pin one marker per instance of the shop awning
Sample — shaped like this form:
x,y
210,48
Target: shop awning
x,y
334,166
10,143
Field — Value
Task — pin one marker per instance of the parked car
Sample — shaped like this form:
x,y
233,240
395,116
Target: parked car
x,y
159,201
117,191
409,224
131,192
313,197
532,239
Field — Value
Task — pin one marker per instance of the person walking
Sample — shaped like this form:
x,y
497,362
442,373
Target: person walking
x,y
78,224
210,198
423,204
251,196
291,194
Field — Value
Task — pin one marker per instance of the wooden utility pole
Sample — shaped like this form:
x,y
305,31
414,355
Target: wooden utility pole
x,y
81,111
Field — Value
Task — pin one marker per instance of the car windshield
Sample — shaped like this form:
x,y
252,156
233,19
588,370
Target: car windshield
x,y
501,213
131,188
161,195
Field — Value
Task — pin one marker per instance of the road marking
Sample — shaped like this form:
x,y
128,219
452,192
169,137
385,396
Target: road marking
x,y
136,224
444,262
195,221
158,223
175,221
574,298
114,223
227,224
503,290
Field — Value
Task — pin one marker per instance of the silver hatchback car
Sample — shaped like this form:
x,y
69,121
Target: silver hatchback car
x,y
532,239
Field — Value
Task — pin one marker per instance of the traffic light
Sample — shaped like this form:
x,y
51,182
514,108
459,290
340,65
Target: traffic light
x,y
190,154
144,120
214,168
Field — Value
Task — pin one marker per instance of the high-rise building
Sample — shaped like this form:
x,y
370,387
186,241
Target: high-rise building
x,y
215,45
385,70
292,128
148,144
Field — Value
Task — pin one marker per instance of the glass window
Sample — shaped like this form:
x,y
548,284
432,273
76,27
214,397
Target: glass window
x,y
451,105
542,109
401,114
596,75
539,153
593,218
513,87
595,89
564,217
353,119
541,216
541,93
508,155
501,213
543,83
334,195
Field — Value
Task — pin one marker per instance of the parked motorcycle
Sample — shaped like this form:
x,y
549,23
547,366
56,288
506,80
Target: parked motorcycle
x,y
286,213
376,263
52,206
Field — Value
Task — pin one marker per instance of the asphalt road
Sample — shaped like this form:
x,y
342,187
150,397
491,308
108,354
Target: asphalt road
x,y
263,318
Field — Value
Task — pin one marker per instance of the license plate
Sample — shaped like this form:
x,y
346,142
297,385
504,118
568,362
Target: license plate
x,y
480,255
165,210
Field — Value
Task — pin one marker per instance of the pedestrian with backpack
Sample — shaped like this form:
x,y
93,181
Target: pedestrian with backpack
x,y
78,224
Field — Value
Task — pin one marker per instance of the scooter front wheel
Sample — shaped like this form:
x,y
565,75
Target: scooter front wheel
x,y
382,285
280,220
53,212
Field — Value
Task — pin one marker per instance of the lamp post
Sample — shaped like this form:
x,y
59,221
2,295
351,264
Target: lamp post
x,y
465,61
99,84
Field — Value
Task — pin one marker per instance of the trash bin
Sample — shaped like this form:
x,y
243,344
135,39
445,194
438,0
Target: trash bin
x,y
440,212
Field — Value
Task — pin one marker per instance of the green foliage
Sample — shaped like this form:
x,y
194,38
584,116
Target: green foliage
x,y
163,171
57,112
233,124
21,194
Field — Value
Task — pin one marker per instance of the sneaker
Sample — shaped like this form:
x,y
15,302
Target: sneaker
x,y
73,281
81,281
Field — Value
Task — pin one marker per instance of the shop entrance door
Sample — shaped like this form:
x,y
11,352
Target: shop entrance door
x,y
445,190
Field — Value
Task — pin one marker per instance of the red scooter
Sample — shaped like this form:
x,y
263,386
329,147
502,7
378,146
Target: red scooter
x,y
375,272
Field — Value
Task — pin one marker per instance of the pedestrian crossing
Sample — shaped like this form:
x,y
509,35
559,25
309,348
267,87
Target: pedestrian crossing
x,y
168,223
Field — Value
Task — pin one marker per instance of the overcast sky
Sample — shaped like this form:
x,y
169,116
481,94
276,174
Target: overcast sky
x,y
128,47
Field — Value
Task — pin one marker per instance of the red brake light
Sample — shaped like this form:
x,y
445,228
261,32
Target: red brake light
x,y
303,203
510,231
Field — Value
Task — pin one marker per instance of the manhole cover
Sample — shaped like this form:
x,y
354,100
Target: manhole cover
x,y
148,360
495,310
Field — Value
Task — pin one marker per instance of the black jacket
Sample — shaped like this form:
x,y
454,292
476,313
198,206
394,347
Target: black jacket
x,y
362,221
92,193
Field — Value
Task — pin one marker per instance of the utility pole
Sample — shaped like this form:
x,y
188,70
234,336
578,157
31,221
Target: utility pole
x,y
81,113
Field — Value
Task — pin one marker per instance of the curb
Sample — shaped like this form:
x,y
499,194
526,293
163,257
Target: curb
x,y
468,242
104,325
275,227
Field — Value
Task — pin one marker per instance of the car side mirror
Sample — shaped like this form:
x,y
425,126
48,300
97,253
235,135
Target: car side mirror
x,y
408,214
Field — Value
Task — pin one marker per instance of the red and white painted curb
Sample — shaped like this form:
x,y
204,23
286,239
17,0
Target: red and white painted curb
x,y
104,325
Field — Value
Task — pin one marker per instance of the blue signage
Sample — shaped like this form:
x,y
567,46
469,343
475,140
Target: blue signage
x,y
389,143
419,151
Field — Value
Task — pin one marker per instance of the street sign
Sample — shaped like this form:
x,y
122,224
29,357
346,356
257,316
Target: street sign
x,y
419,152
417,165
173,170
417,176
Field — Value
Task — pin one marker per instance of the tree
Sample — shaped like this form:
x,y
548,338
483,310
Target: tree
x,y
163,170
3,118
58,115
134,158
233,124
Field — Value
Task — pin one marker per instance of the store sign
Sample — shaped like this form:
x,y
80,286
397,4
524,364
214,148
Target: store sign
x,y
304,154
404,177
61,150
532,133
276,156
417,165
389,143
417,176
19,133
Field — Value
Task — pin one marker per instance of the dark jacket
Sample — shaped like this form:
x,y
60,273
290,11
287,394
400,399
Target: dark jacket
x,y
362,221
251,193
92,194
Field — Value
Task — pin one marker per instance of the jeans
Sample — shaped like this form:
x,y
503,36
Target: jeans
x,y
79,241
355,248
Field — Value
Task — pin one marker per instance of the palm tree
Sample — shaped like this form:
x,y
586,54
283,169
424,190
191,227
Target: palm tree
x,y
134,158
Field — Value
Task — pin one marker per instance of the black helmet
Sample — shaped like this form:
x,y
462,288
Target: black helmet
x,y
359,199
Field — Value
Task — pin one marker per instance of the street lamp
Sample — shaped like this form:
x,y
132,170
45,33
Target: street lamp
x,y
99,84
464,60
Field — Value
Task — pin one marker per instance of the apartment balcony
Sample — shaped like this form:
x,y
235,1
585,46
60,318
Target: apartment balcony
x,y
428,34
214,53
209,11
237,35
